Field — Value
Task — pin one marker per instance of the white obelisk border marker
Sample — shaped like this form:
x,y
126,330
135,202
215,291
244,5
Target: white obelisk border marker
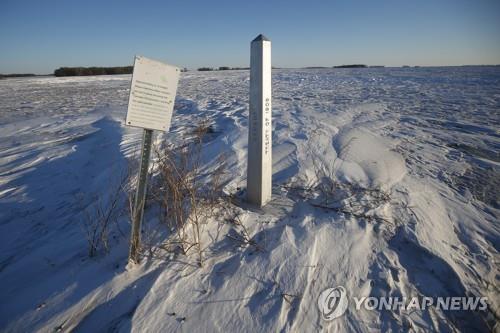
x,y
260,162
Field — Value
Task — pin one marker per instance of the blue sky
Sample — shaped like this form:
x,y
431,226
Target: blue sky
x,y
39,36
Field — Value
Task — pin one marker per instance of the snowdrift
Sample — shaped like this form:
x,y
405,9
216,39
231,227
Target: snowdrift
x,y
383,183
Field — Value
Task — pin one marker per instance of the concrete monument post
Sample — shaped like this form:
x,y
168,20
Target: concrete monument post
x,y
260,162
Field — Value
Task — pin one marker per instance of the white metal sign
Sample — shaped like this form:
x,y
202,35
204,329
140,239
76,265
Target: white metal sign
x,y
152,94
150,106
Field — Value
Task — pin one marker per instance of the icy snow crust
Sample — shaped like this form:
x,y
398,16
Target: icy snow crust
x,y
429,137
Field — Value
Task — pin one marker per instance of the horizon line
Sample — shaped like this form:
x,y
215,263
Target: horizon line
x,y
216,68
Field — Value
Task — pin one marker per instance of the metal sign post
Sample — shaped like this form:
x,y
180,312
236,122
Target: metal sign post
x,y
140,195
150,106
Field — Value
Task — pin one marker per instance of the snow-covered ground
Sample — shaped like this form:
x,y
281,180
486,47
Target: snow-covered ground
x,y
417,150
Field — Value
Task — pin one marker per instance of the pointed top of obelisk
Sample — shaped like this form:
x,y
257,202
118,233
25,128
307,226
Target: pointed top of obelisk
x,y
261,38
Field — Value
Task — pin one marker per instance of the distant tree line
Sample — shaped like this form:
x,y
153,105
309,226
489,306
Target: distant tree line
x,y
84,71
221,68
4,76
351,66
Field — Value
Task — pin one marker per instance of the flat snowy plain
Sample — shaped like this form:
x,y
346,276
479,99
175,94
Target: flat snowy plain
x,y
428,139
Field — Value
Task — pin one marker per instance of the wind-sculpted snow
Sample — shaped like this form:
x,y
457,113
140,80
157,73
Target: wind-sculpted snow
x,y
385,182
363,152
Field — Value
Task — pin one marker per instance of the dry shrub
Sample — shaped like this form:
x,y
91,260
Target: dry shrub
x,y
239,233
102,215
188,198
